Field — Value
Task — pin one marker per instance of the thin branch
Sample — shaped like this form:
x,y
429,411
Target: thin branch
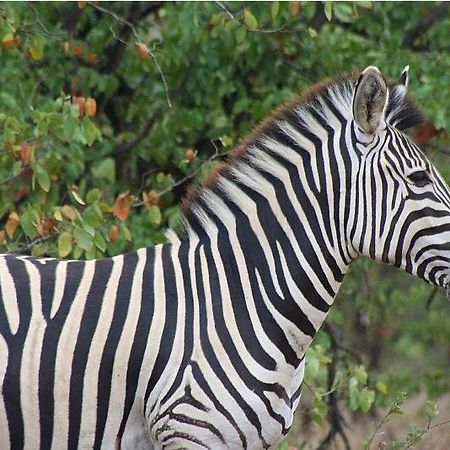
x,y
231,16
445,422
424,24
43,28
27,247
431,297
127,146
132,28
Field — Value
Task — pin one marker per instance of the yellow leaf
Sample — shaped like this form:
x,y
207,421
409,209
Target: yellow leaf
x,y
250,20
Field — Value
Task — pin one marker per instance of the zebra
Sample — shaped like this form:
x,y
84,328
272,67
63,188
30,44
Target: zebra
x,y
200,342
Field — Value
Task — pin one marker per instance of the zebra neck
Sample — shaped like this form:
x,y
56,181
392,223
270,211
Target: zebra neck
x,y
274,261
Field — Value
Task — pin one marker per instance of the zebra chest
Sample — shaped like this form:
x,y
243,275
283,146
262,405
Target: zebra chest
x,y
206,410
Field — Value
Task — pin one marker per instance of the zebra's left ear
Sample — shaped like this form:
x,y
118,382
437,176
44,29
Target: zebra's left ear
x,y
397,91
369,100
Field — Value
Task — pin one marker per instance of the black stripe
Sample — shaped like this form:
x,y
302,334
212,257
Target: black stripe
x,y
88,324
109,350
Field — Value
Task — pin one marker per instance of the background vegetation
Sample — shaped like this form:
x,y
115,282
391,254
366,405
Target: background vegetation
x,y
109,110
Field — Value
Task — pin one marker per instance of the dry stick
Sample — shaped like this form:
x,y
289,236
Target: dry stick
x,y
138,38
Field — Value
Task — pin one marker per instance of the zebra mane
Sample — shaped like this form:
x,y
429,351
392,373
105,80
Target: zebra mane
x,y
401,112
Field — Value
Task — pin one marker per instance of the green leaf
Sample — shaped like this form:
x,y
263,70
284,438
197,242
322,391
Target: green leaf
x,y
43,179
250,20
343,12
77,252
319,411
28,222
105,170
366,5
70,124
125,231
154,215
240,35
83,239
64,244
274,9
93,195
100,242
312,367
381,387
431,411
360,373
91,132
366,399
93,216
328,10
37,47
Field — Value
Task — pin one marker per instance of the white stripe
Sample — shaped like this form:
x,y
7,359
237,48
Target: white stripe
x,y
64,356
90,382
31,356
9,297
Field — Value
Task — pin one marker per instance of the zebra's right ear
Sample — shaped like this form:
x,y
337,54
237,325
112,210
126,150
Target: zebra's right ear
x,y
369,100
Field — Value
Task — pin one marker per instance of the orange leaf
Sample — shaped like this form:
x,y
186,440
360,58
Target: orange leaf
x,y
2,236
24,152
8,41
91,107
142,50
81,103
424,132
150,199
92,58
77,50
11,224
113,233
121,206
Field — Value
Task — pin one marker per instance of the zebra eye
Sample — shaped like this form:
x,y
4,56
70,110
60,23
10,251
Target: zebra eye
x,y
420,178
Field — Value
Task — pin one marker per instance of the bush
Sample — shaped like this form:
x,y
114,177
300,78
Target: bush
x,y
109,111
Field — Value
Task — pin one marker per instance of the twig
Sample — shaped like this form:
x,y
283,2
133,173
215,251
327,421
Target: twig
x,y
431,297
133,30
43,28
231,16
32,243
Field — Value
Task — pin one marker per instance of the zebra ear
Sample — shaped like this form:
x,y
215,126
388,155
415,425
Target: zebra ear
x,y
369,100
399,88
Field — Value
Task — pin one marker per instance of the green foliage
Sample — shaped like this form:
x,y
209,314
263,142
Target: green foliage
x,y
86,179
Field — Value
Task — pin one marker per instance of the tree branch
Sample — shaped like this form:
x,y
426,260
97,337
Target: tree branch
x,y
126,146
424,24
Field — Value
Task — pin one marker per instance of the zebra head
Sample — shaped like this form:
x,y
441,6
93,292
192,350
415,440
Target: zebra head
x,y
403,203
